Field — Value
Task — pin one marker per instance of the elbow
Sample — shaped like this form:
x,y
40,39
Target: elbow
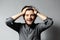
x,y
52,22
9,22
49,22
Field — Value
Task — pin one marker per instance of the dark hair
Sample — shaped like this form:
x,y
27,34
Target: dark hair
x,y
29,8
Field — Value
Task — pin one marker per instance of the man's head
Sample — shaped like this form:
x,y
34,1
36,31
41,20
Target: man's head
x,y
29,15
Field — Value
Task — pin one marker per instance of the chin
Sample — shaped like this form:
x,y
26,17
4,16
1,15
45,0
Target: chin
x,y
29,23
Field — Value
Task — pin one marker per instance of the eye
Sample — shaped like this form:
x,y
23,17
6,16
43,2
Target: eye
x,y
32,14
26,15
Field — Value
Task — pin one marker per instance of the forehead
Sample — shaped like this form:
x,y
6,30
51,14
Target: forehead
x,y
29,12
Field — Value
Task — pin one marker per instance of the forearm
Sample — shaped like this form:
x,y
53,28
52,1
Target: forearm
x,y
42,16
17,16
47,24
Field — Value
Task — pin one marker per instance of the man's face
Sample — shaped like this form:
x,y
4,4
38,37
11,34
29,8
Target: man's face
x,y
29,17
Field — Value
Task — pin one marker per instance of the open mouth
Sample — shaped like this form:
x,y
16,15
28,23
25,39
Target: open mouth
x,y
29,20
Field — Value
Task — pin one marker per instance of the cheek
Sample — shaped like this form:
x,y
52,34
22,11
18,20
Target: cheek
x,y
25,17
33,17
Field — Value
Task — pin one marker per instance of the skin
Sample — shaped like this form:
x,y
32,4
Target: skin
x,y
29,17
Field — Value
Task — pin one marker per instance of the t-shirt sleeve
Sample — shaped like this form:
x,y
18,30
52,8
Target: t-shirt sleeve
x,y
47,23
10,22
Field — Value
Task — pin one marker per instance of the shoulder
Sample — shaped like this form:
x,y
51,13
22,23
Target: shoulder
x,y
19,24
37,25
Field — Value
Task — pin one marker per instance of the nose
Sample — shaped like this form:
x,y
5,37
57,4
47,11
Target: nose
x,y
29,16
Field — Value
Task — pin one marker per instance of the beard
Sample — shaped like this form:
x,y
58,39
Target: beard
x,y
29,23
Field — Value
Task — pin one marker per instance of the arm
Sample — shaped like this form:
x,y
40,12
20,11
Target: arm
x,y
11,21
47,22
42,16
19,14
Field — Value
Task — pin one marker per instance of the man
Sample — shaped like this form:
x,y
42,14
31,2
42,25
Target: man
x,y
29,30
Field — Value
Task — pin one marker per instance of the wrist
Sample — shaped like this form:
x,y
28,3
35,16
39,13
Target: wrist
x,y
38,14
21,13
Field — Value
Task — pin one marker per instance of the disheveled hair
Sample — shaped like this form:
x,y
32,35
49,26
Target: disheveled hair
x,y
29,8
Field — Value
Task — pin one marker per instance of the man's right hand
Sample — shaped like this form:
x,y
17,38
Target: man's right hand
x,y
23,12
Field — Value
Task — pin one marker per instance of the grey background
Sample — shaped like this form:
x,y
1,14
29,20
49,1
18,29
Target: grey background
x,y
51,8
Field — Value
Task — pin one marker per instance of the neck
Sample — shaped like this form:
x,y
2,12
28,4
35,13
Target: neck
x,y
29,25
